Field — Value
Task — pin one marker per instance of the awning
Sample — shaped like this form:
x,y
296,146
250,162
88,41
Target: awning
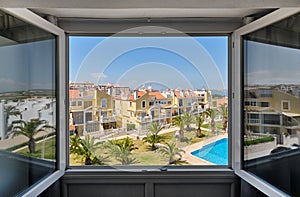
x,y
290,114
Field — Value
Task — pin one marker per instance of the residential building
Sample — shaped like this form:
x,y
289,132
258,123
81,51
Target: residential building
x,y
273,110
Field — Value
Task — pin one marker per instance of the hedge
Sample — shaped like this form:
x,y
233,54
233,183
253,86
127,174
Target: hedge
x,y
130,127
258,141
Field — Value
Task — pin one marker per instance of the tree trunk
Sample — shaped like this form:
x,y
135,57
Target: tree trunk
x,y
88,161
198,134
171,161
225,124
153,147
212,125
31,145
181,135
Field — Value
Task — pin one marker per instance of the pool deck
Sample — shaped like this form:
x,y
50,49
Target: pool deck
x,y
193,160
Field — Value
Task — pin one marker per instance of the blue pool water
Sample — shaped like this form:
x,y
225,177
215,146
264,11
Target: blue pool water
x,y
216,152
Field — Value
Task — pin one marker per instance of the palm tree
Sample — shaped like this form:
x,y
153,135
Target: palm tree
x,y
121,150
173,153
223,110
188,119
86,148
179,122
212,113
199,122
154,138
29,129
10,111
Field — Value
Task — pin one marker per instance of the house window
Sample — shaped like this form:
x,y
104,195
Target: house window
x,y
79,103
143,104
166,77
87,104
180,102
285,105
77,117
265,93
88,116
264,104
104,102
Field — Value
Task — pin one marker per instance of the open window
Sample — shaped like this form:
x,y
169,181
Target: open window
x,y
30,102
267,56
166,98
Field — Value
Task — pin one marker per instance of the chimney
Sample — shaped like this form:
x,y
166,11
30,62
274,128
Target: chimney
x,y
109,91
135,94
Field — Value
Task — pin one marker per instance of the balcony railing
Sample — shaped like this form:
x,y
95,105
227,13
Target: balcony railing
x,y
254,121
108,119
144,119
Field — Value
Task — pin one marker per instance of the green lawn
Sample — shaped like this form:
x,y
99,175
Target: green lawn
x,y
49,153
143,154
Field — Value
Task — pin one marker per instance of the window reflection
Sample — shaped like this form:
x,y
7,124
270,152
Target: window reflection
x,y
272,104
27,105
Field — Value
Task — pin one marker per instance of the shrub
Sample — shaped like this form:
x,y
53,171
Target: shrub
x,y
130,127
258,141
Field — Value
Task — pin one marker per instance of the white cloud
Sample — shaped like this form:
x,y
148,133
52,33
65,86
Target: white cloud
x,y
11,82
98,75
273,77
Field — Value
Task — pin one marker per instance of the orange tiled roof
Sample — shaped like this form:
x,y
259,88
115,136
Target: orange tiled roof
x,y
196,95
72,127
74,94
140,94
157,95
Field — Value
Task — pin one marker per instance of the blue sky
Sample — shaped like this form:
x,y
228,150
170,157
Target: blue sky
x,y
267,64
28,66
173,62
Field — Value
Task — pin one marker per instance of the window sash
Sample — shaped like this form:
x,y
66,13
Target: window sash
x,y
29,17
237,106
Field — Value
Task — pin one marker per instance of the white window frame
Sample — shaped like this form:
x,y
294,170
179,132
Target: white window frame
x,y
104,99
31,18
289,105
236,82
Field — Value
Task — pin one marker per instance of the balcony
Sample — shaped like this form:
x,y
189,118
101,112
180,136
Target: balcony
x,y
144,119
108,119
254,121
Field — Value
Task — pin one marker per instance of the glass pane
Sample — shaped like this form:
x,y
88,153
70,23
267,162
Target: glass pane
x,y
272,104
27,105
148,100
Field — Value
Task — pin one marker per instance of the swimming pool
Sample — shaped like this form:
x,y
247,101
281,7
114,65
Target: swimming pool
x,y
216,152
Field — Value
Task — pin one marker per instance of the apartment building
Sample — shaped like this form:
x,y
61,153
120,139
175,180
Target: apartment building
x,y
191,101
273,110
91,109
